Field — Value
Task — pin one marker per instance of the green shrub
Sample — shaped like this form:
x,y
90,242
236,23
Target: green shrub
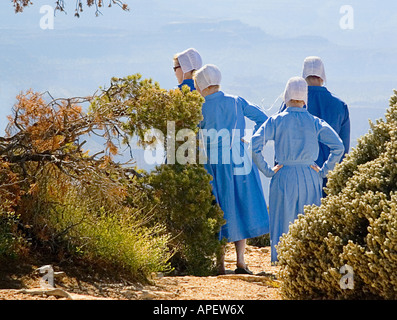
x,y
12,244
73,221
185,205
261,241
356,225
116,240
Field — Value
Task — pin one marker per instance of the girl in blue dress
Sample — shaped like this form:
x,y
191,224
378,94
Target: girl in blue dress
x,y
236,182
296,179
185,64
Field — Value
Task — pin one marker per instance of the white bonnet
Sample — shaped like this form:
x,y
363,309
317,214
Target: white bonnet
x,y
209,75
189,60
296,89
313,66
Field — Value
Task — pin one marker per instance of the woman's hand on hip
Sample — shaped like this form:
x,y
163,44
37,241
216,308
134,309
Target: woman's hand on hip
x,y
277,167
315,168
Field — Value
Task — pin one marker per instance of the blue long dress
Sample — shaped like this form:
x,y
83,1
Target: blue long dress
x,y
296,134
236,182
324,105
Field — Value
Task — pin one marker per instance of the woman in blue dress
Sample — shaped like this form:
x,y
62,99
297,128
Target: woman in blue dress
x,y
236,181
296,179
185,64
324,105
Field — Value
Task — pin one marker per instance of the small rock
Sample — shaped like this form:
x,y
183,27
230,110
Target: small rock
x,y
156,275
129,294
48,291
146,295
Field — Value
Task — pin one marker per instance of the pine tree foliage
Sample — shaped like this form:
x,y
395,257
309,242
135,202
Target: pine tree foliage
x,y
185,205
356,225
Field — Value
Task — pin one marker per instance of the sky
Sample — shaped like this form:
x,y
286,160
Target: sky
x,y
258,45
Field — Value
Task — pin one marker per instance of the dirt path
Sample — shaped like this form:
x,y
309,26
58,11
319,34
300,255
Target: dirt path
x,y
263,285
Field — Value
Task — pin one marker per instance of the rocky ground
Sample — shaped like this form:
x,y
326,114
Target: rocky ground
x,y
263,285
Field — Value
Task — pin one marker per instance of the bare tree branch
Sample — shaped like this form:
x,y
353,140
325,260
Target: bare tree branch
x,y
60,5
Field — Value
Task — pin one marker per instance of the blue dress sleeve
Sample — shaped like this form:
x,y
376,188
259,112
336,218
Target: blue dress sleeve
x,y
265,133
253,112
330,138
